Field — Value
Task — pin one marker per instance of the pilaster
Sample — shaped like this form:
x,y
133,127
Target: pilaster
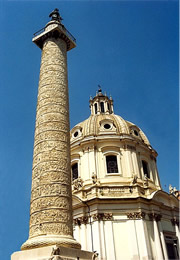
x,y
155,218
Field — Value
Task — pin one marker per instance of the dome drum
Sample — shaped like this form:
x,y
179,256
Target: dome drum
x,y
126,164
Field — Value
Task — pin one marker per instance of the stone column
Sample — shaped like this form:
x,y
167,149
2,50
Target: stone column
x,y
51,206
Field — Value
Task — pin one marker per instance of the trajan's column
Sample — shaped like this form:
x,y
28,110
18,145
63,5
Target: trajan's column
x,y
51,225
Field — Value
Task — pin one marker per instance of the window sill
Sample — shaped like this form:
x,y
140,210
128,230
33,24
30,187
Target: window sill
x,y
113,174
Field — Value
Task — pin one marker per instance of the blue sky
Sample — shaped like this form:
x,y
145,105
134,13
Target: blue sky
x,y
130,48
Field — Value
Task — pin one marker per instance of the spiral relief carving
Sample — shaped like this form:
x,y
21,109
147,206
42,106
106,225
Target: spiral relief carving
x,y
51,205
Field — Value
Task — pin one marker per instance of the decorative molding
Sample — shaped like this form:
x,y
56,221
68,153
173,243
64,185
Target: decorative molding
x,y
81,220
153,158
108,216
145,181
102,216
130,147
84,220
134,179
77,183
95,256
88,148
77,221
56,251
141,190
155,216
136,215
94,178
98,216
113,191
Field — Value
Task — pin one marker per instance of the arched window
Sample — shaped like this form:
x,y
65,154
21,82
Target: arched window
x,y
74,171
102,107
95,107
145,168
111,164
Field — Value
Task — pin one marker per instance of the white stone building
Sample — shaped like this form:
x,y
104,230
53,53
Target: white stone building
x,y
119,208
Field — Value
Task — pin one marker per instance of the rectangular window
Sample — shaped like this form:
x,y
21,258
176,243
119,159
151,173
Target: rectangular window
x,y
172,247
111,163
74,171
102,107
145,168
95,107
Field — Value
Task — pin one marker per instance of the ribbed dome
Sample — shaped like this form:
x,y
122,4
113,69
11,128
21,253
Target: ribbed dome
x,y
110,124
103,121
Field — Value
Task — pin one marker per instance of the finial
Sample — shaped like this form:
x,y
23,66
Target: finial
x,y
99,90
105,93
110,97
171,190
55,15
90,97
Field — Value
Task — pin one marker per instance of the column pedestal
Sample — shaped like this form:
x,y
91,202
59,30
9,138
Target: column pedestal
x,y
53,253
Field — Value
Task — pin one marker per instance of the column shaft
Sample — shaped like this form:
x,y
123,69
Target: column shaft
x,y
51,193
51,205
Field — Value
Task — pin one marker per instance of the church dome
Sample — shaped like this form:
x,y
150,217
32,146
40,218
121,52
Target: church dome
x,y
98,125
103,122
115,182
111,153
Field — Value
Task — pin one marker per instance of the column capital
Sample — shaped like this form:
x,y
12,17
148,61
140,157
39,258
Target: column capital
x,y
136,215
81,220
155,216
54,29
102,216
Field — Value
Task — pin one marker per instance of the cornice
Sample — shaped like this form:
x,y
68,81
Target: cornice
x,y
130,142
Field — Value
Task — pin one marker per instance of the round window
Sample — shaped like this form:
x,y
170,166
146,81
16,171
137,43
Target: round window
x,y
107,126
136,132
76,134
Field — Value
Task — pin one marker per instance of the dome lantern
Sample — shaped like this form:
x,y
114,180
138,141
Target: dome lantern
x,y
101,103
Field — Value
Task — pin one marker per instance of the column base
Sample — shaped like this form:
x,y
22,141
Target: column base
x,y
53,253
48,240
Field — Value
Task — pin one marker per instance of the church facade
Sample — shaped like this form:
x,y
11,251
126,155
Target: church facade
x,y
119,208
